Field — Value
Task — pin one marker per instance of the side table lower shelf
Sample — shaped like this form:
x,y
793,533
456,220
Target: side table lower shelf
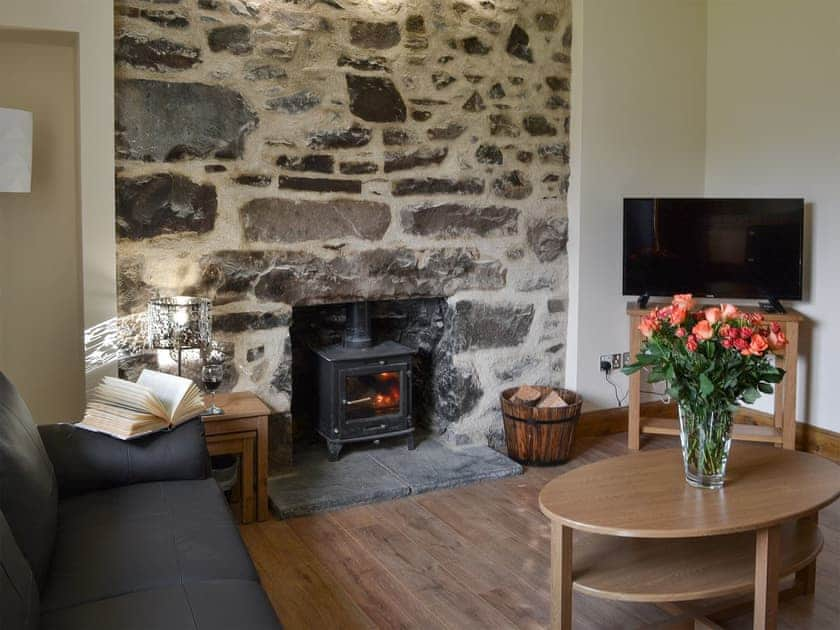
x,y
742,432
244,445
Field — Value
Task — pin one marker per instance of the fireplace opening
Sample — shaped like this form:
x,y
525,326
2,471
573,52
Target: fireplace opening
x,y
371,395
366,371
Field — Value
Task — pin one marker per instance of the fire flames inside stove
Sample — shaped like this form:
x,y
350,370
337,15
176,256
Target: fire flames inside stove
x,y
370,395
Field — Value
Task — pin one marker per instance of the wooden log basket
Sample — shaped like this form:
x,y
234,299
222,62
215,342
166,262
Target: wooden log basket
x,y
540,436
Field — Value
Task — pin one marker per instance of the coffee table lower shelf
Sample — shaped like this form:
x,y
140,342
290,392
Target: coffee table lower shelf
x,y
682,569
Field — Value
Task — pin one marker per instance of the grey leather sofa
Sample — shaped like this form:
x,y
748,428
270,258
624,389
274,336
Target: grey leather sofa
x,y
99,534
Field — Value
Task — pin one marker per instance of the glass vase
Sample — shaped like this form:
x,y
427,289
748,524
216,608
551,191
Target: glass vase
x,y
705,435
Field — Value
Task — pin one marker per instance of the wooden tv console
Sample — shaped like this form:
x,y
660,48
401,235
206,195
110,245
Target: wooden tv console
x,y
783,431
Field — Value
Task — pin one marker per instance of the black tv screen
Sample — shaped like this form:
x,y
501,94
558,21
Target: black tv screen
x,y
722,248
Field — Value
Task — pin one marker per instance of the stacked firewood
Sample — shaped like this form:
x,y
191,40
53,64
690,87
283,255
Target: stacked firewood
x,y
533,397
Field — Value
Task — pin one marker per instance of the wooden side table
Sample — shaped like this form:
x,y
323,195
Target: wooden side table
x,y
243,430
783,431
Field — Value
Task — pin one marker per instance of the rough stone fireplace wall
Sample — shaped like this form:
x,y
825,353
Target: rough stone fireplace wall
x,y
276,153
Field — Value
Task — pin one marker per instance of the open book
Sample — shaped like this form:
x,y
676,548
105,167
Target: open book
x,y
127,410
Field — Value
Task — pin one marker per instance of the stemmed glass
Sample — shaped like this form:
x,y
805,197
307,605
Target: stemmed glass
x,y
211,376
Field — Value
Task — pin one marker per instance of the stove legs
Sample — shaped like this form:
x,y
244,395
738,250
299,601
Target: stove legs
x,y
334,449
410,442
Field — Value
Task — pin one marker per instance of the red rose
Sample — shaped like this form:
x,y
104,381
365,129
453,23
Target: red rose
x,y
726,343
703,330
685,300
746,333
740,344
728,311
681,332
775,327
691,343
713,315
777,340
678,315
648,326
758,345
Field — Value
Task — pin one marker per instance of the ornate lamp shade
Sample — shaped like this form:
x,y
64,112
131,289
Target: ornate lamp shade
x,y
179,323
15,150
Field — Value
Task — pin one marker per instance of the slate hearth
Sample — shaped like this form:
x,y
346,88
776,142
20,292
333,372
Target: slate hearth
x,y
380,472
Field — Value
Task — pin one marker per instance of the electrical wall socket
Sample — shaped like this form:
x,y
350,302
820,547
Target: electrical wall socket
x,y
627,359
613,359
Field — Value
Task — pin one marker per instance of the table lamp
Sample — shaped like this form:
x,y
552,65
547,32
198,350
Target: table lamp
x,y
178,323
15,150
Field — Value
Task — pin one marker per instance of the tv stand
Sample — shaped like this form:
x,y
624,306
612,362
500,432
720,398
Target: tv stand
x,y
772,305
783,430
642,301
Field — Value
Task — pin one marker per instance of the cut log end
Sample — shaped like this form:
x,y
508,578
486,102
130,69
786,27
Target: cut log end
x,y
527,395
553,399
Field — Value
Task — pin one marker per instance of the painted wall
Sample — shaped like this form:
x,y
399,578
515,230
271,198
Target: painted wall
x,y
41,341
638,128
91,23
772,130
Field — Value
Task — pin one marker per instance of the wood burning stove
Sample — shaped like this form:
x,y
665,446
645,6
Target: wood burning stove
x,y
364,389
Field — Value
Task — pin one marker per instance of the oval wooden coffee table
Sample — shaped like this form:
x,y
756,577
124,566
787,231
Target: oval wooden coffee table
x,y
650,537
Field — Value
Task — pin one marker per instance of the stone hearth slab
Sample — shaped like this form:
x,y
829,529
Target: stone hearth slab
x,y
435,465
315,485
368,474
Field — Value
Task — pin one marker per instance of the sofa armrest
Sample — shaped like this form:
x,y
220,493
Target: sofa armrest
x,y
86,461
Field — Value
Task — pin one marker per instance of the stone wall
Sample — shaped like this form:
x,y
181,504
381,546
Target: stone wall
x,y
277,153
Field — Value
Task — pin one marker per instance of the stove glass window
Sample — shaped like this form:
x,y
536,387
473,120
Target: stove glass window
x,y
371,395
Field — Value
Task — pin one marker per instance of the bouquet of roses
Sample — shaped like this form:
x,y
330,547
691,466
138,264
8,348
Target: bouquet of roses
x,y
711,359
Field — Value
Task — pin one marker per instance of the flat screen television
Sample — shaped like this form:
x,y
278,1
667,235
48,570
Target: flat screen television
x,y
721,248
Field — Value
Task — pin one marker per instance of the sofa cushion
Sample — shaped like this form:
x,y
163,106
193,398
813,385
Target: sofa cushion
x,y
18,590
143,536
28,490
213,605
85,461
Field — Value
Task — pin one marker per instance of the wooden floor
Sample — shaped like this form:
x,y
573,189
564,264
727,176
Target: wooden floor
x,y
472,557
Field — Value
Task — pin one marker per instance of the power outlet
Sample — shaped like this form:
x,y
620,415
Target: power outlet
x,y
613,360
627,359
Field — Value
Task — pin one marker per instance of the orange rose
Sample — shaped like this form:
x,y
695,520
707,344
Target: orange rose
x,y
678,315
758,345
728,311
648,326
713,315
703,330
777,340
685,300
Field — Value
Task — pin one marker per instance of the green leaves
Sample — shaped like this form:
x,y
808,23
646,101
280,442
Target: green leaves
x,y
765,388
706,385
750,395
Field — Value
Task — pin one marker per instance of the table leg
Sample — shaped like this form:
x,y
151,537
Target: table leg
x,y
248,502
806,578
789,385
561,577
766,578
634,388
262,468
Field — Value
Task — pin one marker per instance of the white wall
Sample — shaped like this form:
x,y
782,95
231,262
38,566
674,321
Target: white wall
x,y
638,128
773,129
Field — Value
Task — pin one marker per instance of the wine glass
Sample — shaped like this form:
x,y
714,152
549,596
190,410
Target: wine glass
x,y
211,376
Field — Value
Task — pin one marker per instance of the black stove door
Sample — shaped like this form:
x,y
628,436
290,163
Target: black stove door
x,y
374,398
